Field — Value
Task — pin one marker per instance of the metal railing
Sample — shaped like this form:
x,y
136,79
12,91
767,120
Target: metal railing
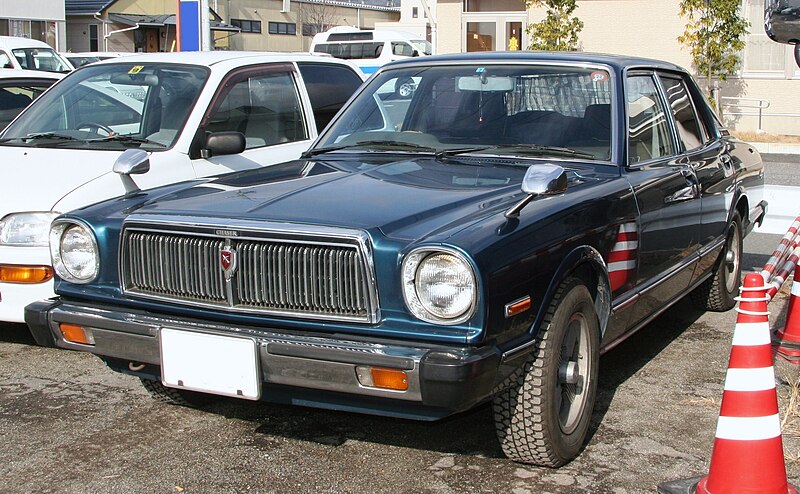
x,y
748,104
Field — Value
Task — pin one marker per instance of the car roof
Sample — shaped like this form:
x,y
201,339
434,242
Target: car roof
x,y
18,42
618,62
225,58
29,74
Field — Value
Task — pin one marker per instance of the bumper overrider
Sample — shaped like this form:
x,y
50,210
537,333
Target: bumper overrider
x,y
294,367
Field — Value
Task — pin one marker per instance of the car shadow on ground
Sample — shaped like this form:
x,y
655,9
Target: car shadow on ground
x,y
16,333
469,433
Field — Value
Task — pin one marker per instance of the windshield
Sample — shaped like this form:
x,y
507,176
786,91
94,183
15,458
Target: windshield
x,y
423,46
520,110
111,106
45,59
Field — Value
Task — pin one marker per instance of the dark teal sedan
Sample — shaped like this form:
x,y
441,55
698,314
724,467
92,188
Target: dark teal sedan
x,y
485,239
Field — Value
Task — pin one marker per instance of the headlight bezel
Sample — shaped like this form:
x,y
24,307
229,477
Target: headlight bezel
x,y
57,230
45,220
410,269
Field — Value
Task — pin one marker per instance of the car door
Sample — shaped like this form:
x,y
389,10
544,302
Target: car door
x,y
264,103
709,158
668,197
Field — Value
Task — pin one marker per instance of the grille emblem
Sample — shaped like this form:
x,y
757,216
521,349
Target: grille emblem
x,y
227,261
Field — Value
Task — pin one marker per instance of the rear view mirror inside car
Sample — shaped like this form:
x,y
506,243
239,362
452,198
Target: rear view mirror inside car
x,y
481,82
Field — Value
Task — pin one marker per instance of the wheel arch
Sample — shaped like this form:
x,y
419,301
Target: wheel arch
x,y
586,263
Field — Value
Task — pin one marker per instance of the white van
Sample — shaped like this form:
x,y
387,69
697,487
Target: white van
x,y
30,54
367,48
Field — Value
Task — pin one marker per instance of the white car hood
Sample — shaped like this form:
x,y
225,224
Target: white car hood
x,y
36,179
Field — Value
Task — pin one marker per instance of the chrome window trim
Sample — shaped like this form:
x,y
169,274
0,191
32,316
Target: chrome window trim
x,y
255,231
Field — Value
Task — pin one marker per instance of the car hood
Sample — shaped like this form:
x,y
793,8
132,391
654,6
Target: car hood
x,y
403,198
36,179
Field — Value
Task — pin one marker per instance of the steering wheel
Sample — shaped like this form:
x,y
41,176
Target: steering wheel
x,y
95,127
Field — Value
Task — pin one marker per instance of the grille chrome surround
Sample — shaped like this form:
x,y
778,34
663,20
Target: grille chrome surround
x,y
319,273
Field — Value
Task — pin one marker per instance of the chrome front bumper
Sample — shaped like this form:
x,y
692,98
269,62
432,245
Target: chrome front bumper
x,y
446,378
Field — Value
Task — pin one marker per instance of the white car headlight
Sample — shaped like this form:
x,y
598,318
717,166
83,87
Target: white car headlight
x,y
74,251
26,229
439,285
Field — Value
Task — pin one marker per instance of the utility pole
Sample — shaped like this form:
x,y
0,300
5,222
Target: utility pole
x,y
432,20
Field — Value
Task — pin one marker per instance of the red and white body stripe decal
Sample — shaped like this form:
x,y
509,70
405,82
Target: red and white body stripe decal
x,y
623,255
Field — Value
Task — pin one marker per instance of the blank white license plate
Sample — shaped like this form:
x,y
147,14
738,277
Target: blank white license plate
x,y
209,363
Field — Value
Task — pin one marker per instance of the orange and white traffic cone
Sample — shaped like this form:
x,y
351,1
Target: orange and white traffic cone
x,y
748,449
787,339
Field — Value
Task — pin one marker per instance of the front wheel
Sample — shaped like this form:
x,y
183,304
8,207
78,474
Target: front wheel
x,y
718,293
173,396
543,417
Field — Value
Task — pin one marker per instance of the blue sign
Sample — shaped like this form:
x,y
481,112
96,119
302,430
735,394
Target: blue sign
x,y
189,25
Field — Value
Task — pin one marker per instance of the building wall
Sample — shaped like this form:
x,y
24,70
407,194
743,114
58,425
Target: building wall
x,y
267,11
650,28
38,10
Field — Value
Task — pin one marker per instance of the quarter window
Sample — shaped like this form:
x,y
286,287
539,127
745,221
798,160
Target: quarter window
x,y
649,137
265,108
685,115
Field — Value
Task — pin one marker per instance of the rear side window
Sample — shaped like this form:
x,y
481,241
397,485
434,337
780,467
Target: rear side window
x,y
15,96
684,112
329,87
264,107
649,136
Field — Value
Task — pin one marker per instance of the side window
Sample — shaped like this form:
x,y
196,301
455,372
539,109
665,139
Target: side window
x,y
402,49
649,134
14,98
686,119
5,61
328,87
264,107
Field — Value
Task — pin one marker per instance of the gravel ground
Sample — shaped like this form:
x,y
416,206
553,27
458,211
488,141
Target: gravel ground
x,y
68,424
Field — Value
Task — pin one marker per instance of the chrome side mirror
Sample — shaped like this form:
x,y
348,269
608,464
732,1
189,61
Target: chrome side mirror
x,y
540,180
131,162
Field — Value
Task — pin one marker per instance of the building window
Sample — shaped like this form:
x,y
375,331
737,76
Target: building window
x,y
94,44
247,26
282,28
494,6
415,12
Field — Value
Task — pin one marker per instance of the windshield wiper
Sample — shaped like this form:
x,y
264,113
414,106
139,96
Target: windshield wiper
x,y
390,145
126,138
455,151
539,149
48,135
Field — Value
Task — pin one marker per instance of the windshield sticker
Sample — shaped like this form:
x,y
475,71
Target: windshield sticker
x,y
135,69
480,70
599,76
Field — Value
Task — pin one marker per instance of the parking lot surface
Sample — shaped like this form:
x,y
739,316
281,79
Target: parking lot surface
x,y
69,424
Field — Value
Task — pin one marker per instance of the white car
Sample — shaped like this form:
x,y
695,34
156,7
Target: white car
x,y
18,88
190,115
79,59
30,54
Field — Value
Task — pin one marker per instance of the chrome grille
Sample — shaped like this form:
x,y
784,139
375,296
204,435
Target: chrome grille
x,y
311,278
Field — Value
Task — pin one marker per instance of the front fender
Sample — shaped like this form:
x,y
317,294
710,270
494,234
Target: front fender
x,y
585,262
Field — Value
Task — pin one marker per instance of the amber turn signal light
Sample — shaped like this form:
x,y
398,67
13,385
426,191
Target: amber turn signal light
x,y
379,377
14,273
76,334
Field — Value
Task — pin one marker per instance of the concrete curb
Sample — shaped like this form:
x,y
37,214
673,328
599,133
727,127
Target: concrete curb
x,y
776,147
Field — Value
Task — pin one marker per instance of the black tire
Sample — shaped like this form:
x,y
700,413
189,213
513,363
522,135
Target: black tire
x,y
718,293
174,396
543,417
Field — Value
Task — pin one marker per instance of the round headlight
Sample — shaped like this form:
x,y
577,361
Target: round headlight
x,y
439,286
74,251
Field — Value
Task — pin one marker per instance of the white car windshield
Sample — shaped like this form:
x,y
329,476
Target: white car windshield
x,y
45,59
508,110
112,106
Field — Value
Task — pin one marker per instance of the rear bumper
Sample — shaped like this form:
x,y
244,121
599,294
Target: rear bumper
x,y
441,379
